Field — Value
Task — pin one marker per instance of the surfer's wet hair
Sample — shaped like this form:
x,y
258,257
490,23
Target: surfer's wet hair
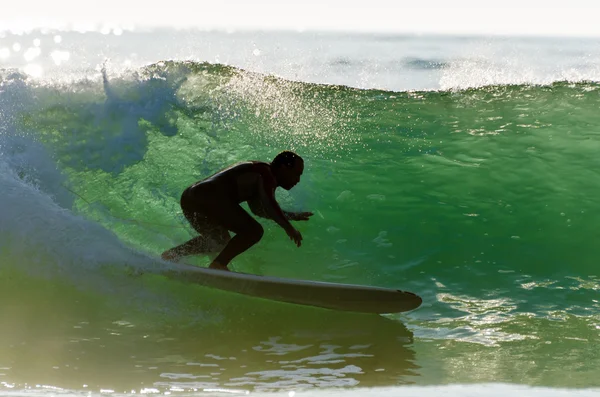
x,y
286,158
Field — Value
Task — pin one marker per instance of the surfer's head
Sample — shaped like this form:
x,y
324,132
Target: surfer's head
x,y
287,167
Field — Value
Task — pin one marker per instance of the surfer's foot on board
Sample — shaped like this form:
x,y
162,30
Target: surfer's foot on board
x,y
218,266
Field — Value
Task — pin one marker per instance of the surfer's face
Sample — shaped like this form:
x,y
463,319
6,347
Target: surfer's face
x,y
290,176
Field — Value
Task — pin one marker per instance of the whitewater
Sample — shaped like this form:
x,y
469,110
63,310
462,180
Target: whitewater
x,y
463,169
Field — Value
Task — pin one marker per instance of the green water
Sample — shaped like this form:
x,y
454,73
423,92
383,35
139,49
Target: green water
x,y
482,201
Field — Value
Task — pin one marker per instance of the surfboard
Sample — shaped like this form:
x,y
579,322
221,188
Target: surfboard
x,y
328,295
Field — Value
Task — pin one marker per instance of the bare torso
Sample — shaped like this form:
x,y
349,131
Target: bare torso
x,y
237,183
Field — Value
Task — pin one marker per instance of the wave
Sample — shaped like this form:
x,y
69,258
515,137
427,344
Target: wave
x,y
480,200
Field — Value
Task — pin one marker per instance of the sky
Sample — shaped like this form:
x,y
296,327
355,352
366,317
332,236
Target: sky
x,y
488,17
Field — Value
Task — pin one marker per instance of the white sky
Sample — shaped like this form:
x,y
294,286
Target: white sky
x,y
524,17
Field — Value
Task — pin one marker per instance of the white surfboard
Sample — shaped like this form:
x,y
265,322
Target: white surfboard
x,y
345,297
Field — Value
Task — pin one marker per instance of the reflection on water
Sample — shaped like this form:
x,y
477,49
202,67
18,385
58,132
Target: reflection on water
x,y
73,344
315,348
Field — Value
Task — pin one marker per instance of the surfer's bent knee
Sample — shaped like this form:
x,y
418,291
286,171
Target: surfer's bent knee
x,y
254,233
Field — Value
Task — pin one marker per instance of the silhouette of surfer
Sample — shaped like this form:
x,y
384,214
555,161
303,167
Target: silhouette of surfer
x,y
212,206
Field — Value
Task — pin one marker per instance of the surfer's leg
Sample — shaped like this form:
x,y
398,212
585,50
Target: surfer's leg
x,y
203,244
211,240
196,246
247,233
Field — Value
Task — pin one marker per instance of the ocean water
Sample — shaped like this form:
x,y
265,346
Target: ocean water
x,y
464,169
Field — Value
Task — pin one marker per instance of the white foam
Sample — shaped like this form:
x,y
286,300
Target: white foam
x,y
477,390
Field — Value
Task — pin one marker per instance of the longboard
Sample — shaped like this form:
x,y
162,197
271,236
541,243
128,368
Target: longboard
x,y
344,297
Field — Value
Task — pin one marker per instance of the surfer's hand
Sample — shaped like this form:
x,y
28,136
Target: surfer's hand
x,y
294,235
299,216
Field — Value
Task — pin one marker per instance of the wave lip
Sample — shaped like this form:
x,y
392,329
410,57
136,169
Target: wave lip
x,y
393,63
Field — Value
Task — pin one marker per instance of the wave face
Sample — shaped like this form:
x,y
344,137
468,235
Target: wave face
x,y
483,201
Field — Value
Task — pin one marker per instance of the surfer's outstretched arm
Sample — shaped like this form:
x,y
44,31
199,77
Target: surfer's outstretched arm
x,y
266,206
258,210
297,216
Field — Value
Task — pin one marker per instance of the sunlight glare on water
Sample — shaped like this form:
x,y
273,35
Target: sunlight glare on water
x,y
60,56
33,70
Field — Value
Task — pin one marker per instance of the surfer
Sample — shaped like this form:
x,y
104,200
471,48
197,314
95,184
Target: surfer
x,y
212,206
